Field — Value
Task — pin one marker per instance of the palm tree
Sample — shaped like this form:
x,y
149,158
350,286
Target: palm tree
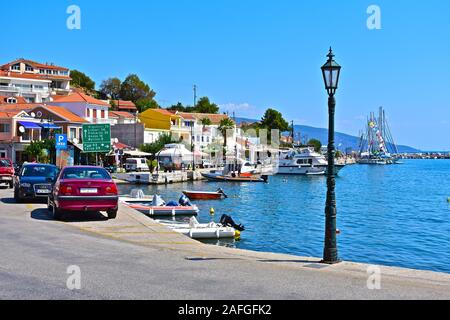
x,y
225,125
206,122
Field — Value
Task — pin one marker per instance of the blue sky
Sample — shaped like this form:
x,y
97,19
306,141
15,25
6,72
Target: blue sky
x,y
251,55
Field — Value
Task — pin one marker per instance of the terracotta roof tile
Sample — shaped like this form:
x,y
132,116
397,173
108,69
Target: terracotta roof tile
x,y
65,114
215,118
35,65
121,114
80,97
3,99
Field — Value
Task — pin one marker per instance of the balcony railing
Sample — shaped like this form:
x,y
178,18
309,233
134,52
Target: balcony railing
x,y
25,90
9,89
100,121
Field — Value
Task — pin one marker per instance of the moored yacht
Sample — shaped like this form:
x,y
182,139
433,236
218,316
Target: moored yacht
x,y
304,161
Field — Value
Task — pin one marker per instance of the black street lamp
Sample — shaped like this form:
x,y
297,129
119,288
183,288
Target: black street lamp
x,y
331,72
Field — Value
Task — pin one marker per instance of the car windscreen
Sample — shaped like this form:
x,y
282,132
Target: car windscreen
x,y
5,163
39,171
85,173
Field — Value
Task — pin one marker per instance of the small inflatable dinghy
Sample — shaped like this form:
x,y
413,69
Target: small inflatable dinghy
x,y
195,230
158,207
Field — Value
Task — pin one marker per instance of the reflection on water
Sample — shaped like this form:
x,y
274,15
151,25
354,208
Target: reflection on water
x,y
392,215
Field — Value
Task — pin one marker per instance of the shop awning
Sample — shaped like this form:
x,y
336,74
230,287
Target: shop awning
x,y
29,125
49,126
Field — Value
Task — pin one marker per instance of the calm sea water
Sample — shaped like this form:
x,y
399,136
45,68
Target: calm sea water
x,y
389,215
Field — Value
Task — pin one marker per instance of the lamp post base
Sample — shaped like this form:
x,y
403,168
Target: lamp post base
x,y
331,262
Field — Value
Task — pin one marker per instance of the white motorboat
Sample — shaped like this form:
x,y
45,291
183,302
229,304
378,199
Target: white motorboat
x,y
212,230
304,161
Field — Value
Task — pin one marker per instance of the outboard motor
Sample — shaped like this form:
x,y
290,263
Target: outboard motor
x,y
184,201
222,192
265,178
227,221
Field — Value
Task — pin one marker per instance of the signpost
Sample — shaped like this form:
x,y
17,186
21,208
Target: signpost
x,y
96,138
61,142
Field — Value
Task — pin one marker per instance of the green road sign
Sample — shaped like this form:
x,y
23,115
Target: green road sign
x,y
96,138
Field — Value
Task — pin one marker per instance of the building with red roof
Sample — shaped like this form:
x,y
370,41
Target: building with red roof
x,y
33,81
89,108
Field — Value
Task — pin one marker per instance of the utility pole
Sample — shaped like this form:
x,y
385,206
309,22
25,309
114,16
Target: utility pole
x,y
195,95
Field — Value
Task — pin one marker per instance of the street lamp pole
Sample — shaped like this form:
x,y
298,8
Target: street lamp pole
x,y
331,72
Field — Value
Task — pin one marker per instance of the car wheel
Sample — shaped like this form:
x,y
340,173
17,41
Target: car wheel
x,y
49,205
112,214
57,214
17,197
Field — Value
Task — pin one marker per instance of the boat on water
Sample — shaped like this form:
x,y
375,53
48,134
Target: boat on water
x,y
377,146
158,207
237,171
232,177
304,161
202,195
227,228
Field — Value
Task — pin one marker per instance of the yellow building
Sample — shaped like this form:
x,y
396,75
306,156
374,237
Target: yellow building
x,y
159,119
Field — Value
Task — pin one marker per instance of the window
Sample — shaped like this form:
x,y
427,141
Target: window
x,y
11,100
72,133
3,154
29,68
16,67
39,171
4,163
86,173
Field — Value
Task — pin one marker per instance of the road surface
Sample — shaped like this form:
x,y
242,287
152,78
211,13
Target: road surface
x,y
135,258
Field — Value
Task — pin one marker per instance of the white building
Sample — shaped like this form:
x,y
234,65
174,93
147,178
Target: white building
x,y
33,81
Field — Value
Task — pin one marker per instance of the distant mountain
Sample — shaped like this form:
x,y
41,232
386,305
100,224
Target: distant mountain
x,y
343,141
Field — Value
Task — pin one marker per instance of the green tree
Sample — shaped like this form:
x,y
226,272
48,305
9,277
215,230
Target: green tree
x,y
204,105
225,125
177,107
273,119
158,145
316,144
206,122
146,103
134,89
36,150
110,88
81,80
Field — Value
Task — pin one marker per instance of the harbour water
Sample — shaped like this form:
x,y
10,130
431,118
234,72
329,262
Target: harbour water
x,y
389,215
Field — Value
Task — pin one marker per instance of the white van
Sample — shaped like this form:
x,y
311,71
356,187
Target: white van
x,y
136,165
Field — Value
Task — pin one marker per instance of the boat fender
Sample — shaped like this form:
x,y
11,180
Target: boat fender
x,y
190,234
448,200
212,211
237,234
218,233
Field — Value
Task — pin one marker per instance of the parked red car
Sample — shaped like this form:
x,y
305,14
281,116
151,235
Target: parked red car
x,y
84,189
6,172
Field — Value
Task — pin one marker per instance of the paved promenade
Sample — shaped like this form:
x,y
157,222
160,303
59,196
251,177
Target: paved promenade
x,y
135,258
